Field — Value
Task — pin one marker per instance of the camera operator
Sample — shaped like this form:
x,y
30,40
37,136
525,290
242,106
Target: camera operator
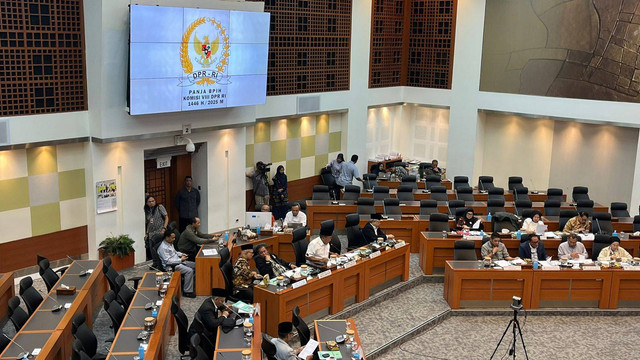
x,y
260,182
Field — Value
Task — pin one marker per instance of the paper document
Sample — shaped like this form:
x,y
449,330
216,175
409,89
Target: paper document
x,y
502,263
541,229
545,263
587,236
517,261
550,234
209,252
308,349
476,225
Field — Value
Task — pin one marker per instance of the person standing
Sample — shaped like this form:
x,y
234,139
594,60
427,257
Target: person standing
x,y
187,202
260,183
348,172
281,198
156,221
336,165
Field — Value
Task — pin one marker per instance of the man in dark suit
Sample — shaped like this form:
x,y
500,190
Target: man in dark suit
x,y
214,313
533,249
270,264
372,231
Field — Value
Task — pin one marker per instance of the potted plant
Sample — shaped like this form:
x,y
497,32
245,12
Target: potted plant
x,y
120,248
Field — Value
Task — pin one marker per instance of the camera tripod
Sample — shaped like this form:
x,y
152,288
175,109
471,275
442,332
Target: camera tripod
x,y
513,323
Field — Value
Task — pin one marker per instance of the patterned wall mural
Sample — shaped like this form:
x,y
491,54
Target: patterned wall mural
x,y
586,49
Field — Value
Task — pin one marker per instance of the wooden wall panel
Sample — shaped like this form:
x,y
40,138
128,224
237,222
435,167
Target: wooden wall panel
x,y
297,190
19,254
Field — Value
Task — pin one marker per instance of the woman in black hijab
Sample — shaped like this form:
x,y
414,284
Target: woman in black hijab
x,y
280,193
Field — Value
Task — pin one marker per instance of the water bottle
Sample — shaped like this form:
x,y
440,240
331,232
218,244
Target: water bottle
x,y
251,319
141,352
615,233
518,235
356,356
482,233
489,217
154,312
535,265
258,229
226,236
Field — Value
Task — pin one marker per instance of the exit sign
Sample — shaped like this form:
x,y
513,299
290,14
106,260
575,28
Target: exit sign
x,y
163,162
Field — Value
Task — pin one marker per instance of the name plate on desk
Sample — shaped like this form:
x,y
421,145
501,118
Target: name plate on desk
x,y
299,284
399,245
591,268
632,268
374,254
552,267
350,264
324,274
474,237
512,268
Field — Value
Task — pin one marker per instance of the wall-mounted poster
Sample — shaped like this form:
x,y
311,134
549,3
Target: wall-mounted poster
x,y
106,196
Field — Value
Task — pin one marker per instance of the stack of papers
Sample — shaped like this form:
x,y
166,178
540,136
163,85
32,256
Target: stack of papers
x,y
209,252
243,308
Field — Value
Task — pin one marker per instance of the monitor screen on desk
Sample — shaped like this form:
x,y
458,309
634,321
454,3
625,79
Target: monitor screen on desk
x,y
255,219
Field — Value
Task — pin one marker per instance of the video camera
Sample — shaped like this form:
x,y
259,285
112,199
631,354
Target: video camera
x,y
262,167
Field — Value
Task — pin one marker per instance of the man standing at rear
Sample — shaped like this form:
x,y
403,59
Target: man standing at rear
x,y
187,202
348,171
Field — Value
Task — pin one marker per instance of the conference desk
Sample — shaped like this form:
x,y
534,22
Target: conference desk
x,y
327,330
393,184
230,345
435,249
422,194
467,284
44,324
328,295
125,344
510,206
370,163
6,292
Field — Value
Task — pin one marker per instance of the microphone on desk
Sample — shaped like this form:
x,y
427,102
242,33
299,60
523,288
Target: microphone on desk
x,y
148,305
24,353
83,272
143,332
58,307
449,210
599,228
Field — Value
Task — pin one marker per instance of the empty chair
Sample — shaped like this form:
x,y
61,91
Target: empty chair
x,y
460,181
565,215
619,209
366,206
125,295
330,181
521,193
439,222
183,326
410,181
580,193
496,193
495,205
381,193
268,348
455,205
370,181
392,207
29,294
225,255
555,194
522,205
586,206
300,244
515,182
82,332
351,192
428,207
227,274
432,180
405,193
320,192
303,330
465,193
77,352
464,250
354,233
422,169
601,223
527,213
599,242
485,183
335,246
439,193
636,223
207,340
16,314
196,351
41,269
114,309
49,277
552,208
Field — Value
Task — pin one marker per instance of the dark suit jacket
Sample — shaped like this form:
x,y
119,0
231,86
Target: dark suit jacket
x,y
525,251
211,320
265,267
370,235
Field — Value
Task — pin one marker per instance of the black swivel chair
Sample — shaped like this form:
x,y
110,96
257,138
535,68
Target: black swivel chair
x,y
515,182
485,183
381,193
114,309
522,205
268,348
428,207
29,294
586,206
555,194
225,256
410,181
111,274
4,341
125,295
405,193
527,213
565,215
300,244
82,332
552,208
439,222
196,351
369,181
599,242
330,181
422,169
366,206
320,192
495,205
16,314
601,223
521,193
465,193
77,351
460,181
464,250
207,341
354,233
619,209
392,207
183,327
636,223
496,193
303,330
49,277
432,180
227,274
439,193
454,205
41,269
580,193
351,192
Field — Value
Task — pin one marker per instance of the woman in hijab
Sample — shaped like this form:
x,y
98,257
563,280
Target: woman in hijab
x,y
280,193
156,221
336,165
377,169
468,220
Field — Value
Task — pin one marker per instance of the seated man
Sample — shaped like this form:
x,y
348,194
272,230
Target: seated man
x,y
495,249
434,169
295,216
267,208
371,232
191,239
243,276
578,224
170,257
614,252
270,264
283,349
214,313
533,249
572,248
318,249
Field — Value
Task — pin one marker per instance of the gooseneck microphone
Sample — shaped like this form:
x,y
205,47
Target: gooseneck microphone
x,y
84,271
599,228
24,353
58,307
148,305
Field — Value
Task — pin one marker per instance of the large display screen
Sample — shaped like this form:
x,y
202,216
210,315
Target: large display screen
x,y
190,59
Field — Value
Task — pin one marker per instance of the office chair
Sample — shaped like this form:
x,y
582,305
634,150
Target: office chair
x,y
392,207
460,181
196,351
465,193
619,209
522,205
82,332
268,348
183,327
77,352
495,205
599,242
586,206
552,208
454,205
439,193
636,223
431,181
114,309
580,193
521,193
351,192
125,295
41,269
320,192
49,277
380,193
354,233
515,182
207,340
405,193
464,250
439,222
485,183
555,194
303,330
16,314
370,181
330,181
496,193
601,223
300,244
29,294
428,207
366,206
227,274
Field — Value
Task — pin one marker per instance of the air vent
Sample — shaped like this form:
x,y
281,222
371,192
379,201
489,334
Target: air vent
x,y
4,132
308,104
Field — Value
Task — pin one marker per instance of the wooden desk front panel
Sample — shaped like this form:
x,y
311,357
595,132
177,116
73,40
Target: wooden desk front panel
x,y
319,213
567,285
406,229
625,289
208,275
6,292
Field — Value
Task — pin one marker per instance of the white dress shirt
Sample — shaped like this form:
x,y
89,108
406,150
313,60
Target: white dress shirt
x,y
168,254
318,249
300,218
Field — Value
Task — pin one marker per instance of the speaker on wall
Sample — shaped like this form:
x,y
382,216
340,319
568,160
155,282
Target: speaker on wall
x,y
308,104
